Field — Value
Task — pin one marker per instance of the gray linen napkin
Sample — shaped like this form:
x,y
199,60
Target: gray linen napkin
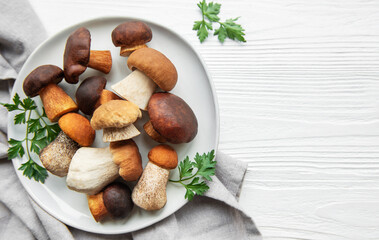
x,y
218,215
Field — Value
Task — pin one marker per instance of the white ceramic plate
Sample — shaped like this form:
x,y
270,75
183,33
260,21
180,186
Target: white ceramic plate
x,y
194,86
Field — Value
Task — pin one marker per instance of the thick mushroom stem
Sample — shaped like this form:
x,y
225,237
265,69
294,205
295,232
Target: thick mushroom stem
x,y
56,102
97,207
149,129
125,51
119,134
137,88
56,157
100,60
91,169
150,191
127,156
105,97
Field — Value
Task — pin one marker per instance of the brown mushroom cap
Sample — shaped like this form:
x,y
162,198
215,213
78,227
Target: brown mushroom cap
x,y
40,78
89,92
117,199
76,54
77,128
115,114
131,33
156,66
164,156
172,118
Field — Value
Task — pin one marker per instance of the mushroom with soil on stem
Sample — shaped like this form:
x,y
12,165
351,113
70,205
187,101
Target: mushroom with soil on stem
x,y
150,191
43,81
91,169
150,69
77,56
171,119
76,132
114,201
91,94
130,36
116,118
127,156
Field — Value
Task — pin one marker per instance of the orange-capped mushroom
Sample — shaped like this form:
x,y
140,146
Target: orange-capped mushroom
x,y
150,191
78,128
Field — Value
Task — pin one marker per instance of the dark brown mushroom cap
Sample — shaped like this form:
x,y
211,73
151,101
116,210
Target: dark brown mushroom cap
x,y
76,54
172,117
156,66
117,199
40,78
131,33
89,92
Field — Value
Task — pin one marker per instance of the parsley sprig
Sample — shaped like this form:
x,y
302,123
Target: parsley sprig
x,y
38,134
229,28
195,182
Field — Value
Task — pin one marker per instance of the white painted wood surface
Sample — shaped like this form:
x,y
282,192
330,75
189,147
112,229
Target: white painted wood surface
x,y
299,102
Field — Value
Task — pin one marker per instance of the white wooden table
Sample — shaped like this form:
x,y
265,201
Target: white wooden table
x,y
299,102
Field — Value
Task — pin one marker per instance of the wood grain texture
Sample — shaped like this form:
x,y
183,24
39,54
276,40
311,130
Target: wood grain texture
x,y
299,102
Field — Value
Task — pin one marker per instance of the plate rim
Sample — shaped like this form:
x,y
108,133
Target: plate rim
x,y
99,19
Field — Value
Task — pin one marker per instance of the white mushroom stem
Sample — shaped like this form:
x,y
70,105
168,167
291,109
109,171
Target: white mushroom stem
x,y
91,169
119,134
150,191
137,88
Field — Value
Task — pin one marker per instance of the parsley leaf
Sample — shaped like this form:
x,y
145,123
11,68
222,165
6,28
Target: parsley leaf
x,y
16,149
19,118
28,104
16,102
228,29
231,30
33,170
38,135
205,165
195,188
211,11
201,27
185,167
52,132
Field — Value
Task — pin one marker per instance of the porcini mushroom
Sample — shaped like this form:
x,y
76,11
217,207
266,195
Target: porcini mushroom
x,y
76,131
78,128
43,81
77,56
150,68
150,191
130,36
116,118
127,156
114,201
91,94
91,169
171,119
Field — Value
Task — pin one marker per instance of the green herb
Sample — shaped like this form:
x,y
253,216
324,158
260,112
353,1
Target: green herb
x,y
205,168
229,28
38,135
